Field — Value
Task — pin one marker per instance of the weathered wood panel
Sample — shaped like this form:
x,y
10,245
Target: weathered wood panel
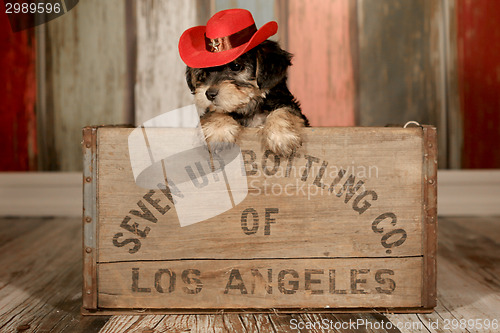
x,y
451,138
281,14
41,287
479,81
160,81
322,76
86,75
307,220
39,194
441,71
401,64
262,10
142,324
18,97
248,322
270,283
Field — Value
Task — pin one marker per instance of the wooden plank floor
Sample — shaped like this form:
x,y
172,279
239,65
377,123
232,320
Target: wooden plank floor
x,y
40,287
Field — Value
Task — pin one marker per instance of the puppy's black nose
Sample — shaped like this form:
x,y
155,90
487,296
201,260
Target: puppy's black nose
x,y
211,93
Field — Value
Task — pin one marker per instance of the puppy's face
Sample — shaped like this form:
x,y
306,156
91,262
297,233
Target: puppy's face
x,y
225,88
241,84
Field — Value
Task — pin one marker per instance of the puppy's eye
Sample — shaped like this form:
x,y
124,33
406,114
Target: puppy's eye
x,y
235,67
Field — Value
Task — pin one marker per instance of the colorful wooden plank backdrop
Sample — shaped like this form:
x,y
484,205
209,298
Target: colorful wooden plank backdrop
x,y
357,62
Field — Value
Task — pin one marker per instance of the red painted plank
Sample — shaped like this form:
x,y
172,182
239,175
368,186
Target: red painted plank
x,y
478,25
17,97
322,73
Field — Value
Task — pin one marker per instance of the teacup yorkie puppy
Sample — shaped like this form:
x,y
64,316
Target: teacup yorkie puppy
x,y
239,80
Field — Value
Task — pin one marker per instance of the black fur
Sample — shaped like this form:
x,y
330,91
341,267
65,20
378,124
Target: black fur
x,y
265,66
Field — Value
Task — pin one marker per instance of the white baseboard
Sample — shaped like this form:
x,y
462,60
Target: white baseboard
x,y
469,192
460,192
41,194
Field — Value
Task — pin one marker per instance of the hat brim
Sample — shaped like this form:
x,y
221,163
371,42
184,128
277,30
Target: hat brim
x,y
194,54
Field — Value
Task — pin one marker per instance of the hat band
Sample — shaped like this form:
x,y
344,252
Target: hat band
x,y
239,38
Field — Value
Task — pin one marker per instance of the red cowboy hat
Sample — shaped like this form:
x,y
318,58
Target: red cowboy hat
x,y
227,35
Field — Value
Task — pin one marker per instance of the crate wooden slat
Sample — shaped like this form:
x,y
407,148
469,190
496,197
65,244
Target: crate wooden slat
x,y
227,284
371,246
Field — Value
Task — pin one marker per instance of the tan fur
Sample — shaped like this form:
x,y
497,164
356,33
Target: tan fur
x,y
220,128
200,99
231,98
257,120
281,132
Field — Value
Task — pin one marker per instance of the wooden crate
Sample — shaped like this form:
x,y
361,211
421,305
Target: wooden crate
x,y
347,224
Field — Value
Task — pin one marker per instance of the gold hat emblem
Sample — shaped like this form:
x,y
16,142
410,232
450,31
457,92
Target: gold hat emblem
x,y
214,44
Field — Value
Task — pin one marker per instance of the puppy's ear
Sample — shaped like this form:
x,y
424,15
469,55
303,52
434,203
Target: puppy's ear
x,y
272,63
190,78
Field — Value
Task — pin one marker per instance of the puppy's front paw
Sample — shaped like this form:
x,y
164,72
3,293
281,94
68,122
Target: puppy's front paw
x,y
220,129
282,132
